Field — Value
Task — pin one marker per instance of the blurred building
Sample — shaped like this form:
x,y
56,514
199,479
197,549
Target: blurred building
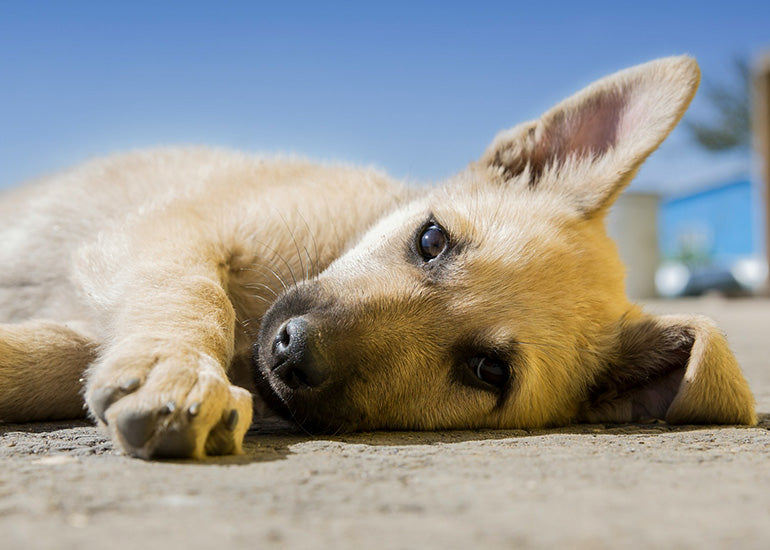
x,y
716,225
708,238
712,239
632,222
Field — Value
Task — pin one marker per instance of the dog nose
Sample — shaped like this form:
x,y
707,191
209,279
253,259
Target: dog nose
x,y
295,358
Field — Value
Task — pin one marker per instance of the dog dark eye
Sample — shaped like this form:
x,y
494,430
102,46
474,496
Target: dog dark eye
x,y
432,242
492,371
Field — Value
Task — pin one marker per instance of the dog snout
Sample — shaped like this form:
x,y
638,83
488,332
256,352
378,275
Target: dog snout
x,y
296,361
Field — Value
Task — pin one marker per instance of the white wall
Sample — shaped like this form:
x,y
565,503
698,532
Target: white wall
x,y
633,223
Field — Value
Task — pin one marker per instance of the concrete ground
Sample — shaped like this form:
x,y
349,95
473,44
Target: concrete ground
x,y
588,486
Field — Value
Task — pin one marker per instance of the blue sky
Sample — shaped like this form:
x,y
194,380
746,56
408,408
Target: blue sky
x,y
417,88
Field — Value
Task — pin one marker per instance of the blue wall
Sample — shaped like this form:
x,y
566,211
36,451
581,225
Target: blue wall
x,y
715,226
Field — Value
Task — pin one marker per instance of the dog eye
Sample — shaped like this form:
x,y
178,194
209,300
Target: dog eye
x,y
432,242
492,371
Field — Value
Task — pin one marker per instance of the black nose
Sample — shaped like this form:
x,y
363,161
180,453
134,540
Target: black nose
x,y
295,358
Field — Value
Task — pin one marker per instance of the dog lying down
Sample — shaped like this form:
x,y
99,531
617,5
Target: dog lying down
x,y
160,287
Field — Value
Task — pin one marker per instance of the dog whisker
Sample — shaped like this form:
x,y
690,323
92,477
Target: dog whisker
x,y
267,301
249,321
280,257
262,285
315,263
264,268
309,268
294,241
337,430
301,424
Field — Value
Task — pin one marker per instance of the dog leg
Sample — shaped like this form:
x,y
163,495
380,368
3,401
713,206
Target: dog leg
x,y
161,385
41,363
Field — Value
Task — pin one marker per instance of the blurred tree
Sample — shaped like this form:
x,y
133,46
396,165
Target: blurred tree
x,y
731,128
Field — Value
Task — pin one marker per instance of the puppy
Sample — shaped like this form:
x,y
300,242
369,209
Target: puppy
x,y
174,281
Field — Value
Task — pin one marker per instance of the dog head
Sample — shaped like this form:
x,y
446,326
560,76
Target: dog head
x,y
497,300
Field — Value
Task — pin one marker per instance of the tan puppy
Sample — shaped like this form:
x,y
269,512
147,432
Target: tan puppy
x,y
495,300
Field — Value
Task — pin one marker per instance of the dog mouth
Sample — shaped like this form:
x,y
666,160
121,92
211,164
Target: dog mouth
x,y
270,395
304,408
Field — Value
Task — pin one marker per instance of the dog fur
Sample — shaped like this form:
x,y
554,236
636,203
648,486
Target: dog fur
x,y
172,282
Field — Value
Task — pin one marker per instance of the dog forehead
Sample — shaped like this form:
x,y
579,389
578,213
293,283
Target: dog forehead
x,y
393,225
500,228
385,237
505,224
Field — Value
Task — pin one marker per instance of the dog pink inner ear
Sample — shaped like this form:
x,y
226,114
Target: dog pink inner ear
x,y
590,130
590,145
587,129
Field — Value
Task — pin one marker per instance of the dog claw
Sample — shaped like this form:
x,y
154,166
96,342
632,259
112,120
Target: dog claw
x,y
194,409
130,385
101,399
232,420
168,408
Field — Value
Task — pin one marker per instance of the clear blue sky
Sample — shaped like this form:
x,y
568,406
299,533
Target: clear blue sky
x,y
417,88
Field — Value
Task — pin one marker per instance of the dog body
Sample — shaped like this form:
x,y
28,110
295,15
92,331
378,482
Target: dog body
x,y
495,300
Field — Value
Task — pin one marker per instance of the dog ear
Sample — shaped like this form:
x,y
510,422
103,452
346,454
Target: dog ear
x,y
590,146
674,368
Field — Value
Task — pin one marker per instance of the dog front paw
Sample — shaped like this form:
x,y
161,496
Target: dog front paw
x,y
173,407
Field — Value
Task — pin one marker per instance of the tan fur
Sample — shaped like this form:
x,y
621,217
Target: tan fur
x,y
40,364
168,261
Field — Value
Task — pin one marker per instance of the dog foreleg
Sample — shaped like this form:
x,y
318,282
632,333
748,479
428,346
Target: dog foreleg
x,y
161,385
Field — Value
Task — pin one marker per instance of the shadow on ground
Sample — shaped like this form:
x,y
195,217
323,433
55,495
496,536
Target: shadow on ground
x,y
270,440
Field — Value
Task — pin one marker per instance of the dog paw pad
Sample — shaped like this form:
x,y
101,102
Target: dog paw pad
x,y
177,442
136,427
